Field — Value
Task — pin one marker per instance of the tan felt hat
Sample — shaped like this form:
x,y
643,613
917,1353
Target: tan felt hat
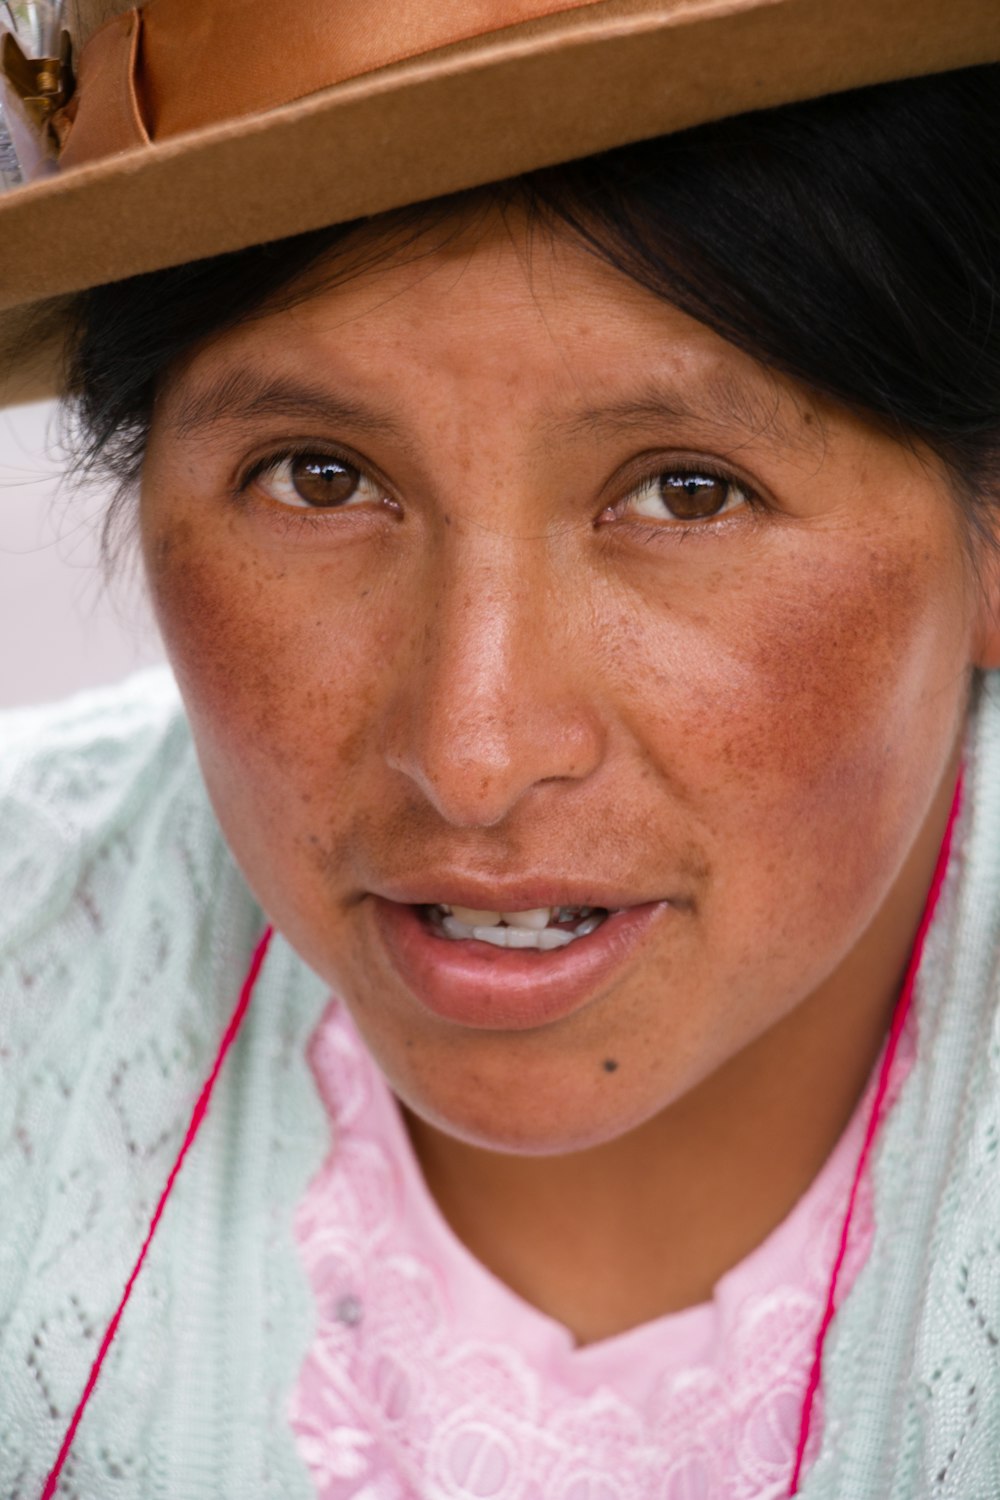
x,y
184,128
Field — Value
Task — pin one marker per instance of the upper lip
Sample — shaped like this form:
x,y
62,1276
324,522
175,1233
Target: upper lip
x,y
508,895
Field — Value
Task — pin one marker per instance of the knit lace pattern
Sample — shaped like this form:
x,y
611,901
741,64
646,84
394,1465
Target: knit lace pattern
x,y
912,1367
125,932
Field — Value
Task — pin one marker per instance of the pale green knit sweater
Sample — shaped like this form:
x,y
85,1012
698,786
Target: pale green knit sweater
x,y
125,932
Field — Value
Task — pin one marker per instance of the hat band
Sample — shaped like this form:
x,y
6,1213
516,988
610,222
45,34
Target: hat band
x,y
172,66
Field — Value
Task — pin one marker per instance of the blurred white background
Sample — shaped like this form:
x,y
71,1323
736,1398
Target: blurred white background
x,y
64,624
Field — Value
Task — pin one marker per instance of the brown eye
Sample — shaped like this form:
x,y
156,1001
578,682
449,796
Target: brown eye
x,y
323,481
676,495
691,497
316,481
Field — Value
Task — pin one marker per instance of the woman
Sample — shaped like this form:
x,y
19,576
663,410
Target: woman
x,y
581,591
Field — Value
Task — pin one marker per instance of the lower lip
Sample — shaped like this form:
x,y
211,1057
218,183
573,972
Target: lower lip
x,y
476,984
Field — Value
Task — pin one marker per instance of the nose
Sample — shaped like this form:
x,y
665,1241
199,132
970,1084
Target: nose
x,y
495,699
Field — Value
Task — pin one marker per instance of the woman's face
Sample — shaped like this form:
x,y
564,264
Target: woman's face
x,y
491,581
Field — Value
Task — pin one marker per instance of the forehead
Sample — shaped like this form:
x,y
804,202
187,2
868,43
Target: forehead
x,y
488,307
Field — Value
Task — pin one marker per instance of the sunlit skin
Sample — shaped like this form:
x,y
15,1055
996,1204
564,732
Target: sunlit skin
x,y
488,666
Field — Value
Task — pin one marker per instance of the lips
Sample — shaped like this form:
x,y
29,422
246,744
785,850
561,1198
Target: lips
x,y
477,984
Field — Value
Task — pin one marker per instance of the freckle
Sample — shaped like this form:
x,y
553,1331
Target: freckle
x,y
447,520
610,1065
171,538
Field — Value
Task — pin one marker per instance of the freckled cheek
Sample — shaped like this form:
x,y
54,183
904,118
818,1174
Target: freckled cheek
x,y
812,677
274,662
849,673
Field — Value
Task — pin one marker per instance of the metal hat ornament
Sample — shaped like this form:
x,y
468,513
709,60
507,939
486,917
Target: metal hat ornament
x,y
140,137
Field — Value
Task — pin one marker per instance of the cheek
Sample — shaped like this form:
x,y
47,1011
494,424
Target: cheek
x,y
804,726
859,683
273,663
209,602
811,677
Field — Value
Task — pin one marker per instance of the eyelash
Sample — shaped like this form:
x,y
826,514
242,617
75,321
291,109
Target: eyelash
x,y
275,461
685,471
682,470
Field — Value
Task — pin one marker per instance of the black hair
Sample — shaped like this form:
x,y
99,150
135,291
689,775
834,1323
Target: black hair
x,y
852,242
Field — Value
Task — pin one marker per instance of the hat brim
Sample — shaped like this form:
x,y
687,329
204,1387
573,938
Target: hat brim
x,y
533,95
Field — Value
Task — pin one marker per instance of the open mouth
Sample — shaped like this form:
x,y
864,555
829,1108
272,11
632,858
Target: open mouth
x,y
543,929
512,969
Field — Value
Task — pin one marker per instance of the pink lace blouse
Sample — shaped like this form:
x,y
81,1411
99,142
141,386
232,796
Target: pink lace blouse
x,y
429,1379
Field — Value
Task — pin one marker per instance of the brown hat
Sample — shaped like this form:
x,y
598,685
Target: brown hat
x,y
184,128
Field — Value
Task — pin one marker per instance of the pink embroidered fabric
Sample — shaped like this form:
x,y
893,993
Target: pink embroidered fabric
x,y
429,1379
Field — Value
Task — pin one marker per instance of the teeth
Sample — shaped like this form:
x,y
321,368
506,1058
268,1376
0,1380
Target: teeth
x,y
589,924
507,937
551,937
473,918
533,920
527,931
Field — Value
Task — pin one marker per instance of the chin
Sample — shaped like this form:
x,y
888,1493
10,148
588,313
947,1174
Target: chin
x,y
533,1116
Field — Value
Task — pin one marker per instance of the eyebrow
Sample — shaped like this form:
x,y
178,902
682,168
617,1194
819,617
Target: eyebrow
x,y
244,397
725,401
